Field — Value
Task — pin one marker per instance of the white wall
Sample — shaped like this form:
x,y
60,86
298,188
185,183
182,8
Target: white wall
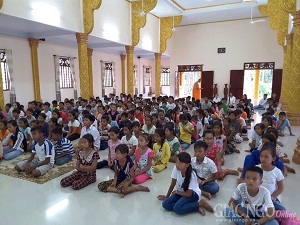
x,y
149,35
244,42
100,56
70,19
22,68
46,52
112,21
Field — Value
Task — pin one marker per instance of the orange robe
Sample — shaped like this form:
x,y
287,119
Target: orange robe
x,y
196,92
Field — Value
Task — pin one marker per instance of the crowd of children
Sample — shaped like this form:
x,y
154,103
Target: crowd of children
x,y
143,136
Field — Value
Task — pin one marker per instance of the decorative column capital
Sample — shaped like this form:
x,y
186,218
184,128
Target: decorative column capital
x,y
157,55
82,37
139,10
166,30
33,42
289,38
89,6
123,57
90,51
296,18
129,48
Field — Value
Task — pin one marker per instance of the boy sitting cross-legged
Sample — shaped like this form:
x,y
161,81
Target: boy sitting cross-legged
x,y
63,147
257,207
42,156
205,169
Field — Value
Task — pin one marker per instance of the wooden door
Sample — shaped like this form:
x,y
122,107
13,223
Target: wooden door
x,y
207,84
277,81
236,83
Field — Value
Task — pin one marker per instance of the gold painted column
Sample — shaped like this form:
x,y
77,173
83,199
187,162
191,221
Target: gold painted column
x,y
294,93
130,75
256,86
1,92
82,40
91,80
157,73
123,57
286,74
34,43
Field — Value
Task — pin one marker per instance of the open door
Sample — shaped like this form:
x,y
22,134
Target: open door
x,y
207,84
277,81
236,83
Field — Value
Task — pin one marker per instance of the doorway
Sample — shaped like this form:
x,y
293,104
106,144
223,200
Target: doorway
x,y
258,80
257,83
188,75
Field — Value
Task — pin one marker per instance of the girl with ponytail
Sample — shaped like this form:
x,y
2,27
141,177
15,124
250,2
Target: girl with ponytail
x,y
184,193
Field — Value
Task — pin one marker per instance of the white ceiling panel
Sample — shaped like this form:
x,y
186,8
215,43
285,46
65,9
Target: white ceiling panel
x,y
220,15
192,4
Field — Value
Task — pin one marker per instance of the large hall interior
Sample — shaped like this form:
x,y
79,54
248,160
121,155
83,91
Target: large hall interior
x,y
70,49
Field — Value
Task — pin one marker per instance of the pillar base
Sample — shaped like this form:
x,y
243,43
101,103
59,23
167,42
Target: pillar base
x,y
294,118
296,156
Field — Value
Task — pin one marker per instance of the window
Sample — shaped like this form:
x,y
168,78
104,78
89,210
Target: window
x,y
165,77
65,73
5,72
108,74
147,76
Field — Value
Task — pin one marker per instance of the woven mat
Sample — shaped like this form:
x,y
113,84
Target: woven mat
x,y
7,168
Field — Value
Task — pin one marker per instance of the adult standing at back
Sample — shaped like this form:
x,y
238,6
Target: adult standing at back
x,y
197,89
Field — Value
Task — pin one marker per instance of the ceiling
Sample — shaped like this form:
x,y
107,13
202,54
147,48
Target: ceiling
x,y
192,11
207,11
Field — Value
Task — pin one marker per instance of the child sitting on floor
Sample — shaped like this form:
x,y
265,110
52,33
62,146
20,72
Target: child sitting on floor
x,y
282,123
172,140
42,157
186,130
185,197
63,147
161,151
214,153
143,160
256,207
113,142
86,165
19,141
124,175
205,169
130,140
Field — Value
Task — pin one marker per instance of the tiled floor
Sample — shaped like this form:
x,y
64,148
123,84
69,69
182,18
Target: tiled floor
x,y
23,202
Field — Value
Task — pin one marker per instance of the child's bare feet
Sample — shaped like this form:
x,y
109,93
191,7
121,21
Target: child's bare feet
x,y
122,195
285,160
204,204
237,151
143,188
202,211
233,172
290,169
206,194
240,169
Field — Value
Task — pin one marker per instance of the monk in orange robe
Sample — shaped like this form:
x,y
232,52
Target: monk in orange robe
x,y
197,89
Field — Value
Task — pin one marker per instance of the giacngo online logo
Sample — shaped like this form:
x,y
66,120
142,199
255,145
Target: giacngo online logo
x,y
223,212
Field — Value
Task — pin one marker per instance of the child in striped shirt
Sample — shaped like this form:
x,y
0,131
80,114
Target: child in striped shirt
x,y
63,147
